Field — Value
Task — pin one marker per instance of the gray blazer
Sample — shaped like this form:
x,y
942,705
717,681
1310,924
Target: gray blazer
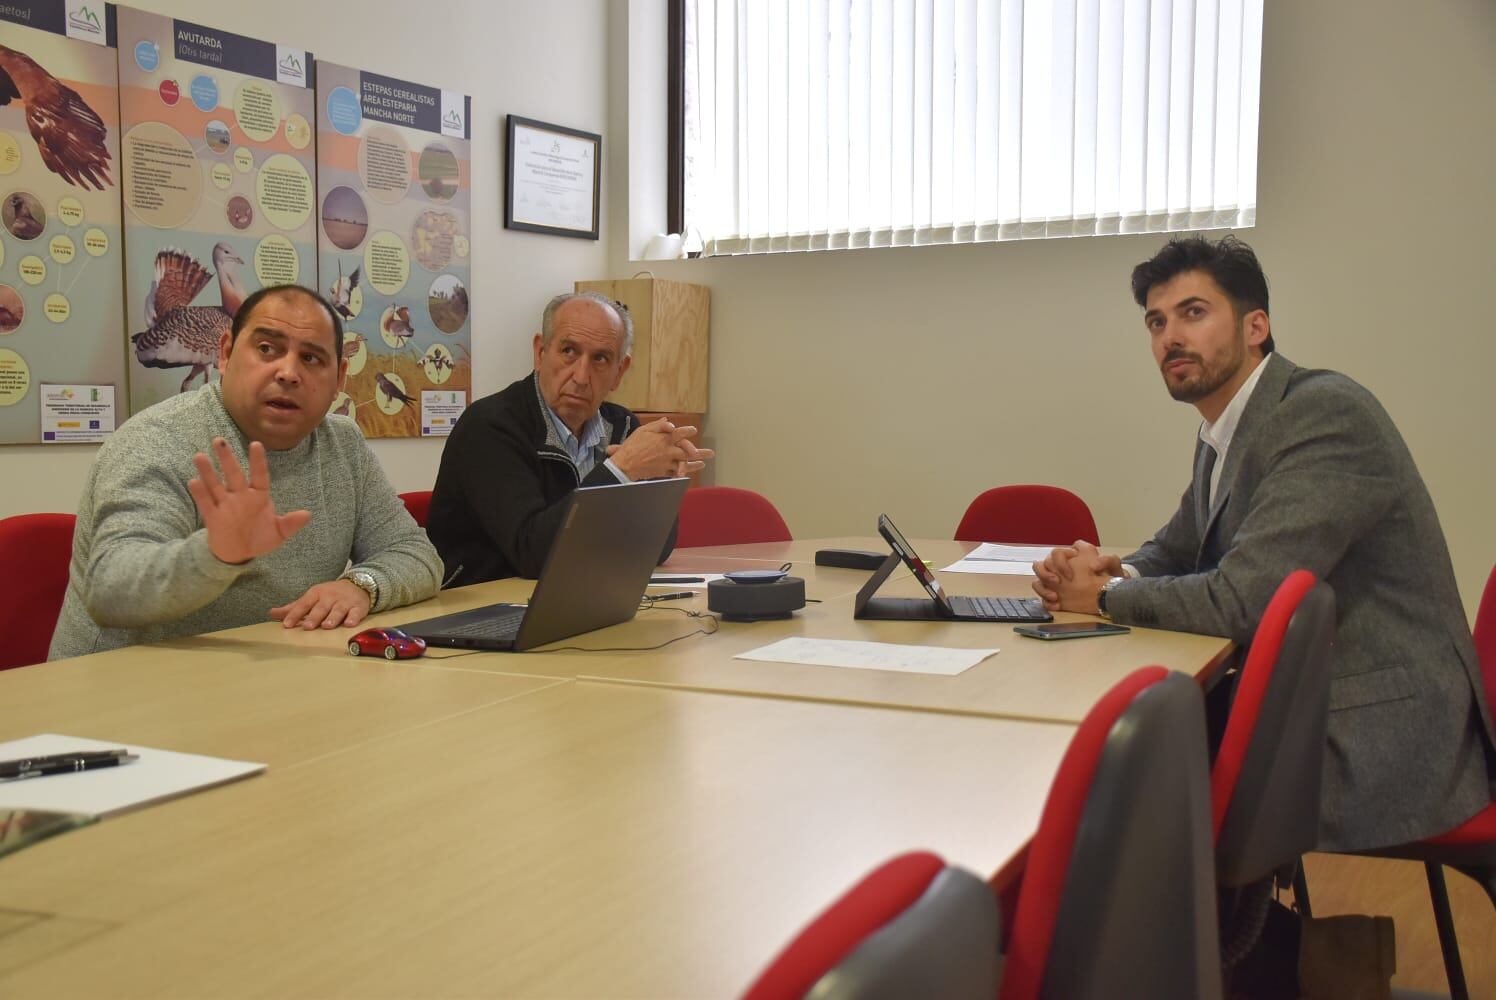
x,y
1318,478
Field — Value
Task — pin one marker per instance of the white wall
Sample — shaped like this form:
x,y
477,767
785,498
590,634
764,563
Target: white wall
x,y
907,380
848,383
540,60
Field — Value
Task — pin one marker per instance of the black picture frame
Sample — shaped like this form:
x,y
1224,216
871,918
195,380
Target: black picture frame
x,y
527,223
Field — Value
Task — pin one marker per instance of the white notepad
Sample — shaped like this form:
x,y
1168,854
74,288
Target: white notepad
x,y
859,655
158,775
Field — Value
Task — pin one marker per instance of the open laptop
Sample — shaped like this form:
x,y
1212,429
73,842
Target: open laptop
x,y
939,607
594,575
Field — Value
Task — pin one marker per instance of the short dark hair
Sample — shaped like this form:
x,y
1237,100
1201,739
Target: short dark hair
x,y
242,316
1228,261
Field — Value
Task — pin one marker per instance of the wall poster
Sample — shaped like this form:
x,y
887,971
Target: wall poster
x,y
395,182
60,247
217,162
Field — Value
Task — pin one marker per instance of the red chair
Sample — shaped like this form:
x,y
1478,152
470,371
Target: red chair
x,y
725,515
1470,847
36,551
419,505
1035,515
1117,898
1265,784
914,927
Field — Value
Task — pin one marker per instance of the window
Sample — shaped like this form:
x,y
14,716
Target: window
x,y
820,124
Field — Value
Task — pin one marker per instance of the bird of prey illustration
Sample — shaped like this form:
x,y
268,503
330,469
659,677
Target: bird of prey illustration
x,y
399,325
440,361
8,320
341,291
69,133
345,409
179,334
24,225
351,344
390,390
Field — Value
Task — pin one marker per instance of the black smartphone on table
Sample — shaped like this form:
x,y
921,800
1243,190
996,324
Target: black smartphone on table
x,y
1070,630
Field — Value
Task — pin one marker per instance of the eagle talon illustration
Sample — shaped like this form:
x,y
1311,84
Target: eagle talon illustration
x,y
179,334
69,133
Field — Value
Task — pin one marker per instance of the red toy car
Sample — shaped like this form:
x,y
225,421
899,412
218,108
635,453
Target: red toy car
x,y
391,643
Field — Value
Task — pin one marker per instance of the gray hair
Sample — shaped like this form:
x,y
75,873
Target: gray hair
x,y
548,318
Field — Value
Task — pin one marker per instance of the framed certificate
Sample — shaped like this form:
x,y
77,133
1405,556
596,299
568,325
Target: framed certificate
x,y
553,179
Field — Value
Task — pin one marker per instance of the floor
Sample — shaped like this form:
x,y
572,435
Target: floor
x,y
1397,889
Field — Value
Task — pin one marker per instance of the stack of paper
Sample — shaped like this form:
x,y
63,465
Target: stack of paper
x,y
158,775
1005,560
869,655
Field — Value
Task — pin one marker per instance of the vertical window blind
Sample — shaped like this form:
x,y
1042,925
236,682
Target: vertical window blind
x,y
823,124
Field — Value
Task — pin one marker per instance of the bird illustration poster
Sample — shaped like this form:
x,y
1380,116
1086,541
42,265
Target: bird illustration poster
x,y
217,164
60,246
394,175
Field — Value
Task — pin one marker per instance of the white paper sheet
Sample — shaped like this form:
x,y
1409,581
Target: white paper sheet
x,y
1003,560
157,775
870,655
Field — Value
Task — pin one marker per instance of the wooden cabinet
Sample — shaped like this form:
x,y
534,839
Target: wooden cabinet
x,y
669,370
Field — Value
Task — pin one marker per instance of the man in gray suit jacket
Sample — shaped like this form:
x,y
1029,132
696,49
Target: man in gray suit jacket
x,y
1299,468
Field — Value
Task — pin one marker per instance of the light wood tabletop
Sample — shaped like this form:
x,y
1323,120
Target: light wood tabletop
x,y
582,840
1027,679
638,823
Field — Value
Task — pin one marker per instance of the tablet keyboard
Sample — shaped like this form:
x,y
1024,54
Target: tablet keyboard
x,y
1001,609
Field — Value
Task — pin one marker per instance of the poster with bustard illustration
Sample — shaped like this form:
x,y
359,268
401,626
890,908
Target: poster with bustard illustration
x,y
62,363
395,182
217,162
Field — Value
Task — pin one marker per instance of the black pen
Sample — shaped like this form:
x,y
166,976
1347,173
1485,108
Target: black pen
x,y
678,595
42,767
677,579
10,768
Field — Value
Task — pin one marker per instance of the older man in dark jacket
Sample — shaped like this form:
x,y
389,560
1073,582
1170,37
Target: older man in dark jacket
x,y
514,457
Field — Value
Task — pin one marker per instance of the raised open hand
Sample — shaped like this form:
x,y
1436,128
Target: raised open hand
x,y
238,513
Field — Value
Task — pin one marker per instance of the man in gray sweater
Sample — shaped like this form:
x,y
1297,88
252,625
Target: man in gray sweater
x,y
159,553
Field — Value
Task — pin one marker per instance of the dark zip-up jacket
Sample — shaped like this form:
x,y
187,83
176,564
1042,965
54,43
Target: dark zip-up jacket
x,y
501,489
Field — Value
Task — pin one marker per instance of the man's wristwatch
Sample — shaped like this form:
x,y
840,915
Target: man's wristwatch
x,y
364,580
1106,588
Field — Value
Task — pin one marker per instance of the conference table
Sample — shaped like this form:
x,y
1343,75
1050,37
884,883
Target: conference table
x,y
600,819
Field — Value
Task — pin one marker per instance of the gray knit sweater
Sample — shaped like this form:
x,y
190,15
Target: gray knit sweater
x,y
142,570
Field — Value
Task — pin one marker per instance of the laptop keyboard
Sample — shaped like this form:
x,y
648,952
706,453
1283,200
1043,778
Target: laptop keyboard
x,y
502,625
1001,608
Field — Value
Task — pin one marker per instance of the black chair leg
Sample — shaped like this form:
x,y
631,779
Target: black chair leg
x,y
1450,944
1301,891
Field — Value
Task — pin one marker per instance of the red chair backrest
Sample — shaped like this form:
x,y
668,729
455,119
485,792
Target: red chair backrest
x,y
866,908
1118,892
1040,515
1049,854
1485,639
1265,783
726,515
419,505
36,551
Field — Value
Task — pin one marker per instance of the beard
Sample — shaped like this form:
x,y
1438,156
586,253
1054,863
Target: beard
x,y
1210,375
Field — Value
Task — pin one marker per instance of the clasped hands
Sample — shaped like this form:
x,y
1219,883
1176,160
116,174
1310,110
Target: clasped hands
x,y
658,449
1071,576
242,524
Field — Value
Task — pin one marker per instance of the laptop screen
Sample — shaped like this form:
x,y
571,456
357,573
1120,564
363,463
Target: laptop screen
x,y
916,565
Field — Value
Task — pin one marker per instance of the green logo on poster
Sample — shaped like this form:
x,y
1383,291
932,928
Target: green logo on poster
x,y
84,19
